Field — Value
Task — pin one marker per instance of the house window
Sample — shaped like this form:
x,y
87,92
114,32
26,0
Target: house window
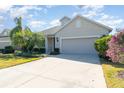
x,y
78,24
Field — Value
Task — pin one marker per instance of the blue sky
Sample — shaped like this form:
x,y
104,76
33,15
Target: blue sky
x,y
42,17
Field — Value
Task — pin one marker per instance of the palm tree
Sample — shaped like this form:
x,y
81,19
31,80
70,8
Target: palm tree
x,y
18,27
16,33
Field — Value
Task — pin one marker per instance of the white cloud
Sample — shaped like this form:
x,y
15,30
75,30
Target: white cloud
x,y
50,6
89,11
5,8
74,14
15,12
1,25
30,16
23,10
55,22
93,7
45,9
2,19
88,6
90,14
36,23
97,13
92,11
110,20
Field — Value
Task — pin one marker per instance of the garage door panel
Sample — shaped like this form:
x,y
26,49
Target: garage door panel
x,y
78,46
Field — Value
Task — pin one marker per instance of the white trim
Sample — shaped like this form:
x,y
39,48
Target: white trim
x,y
60,47
46,44
52,44
5,41
97,36
75,38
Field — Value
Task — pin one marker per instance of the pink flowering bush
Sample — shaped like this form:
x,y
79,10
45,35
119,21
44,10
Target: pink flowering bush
x,y
116,47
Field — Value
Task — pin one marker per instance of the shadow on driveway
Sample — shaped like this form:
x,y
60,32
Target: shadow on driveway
x,y
85,58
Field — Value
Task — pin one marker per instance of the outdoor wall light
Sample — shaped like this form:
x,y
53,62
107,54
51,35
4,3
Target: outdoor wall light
x,y
57,39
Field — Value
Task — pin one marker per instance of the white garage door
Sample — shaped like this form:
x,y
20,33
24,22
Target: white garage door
x,y
78,46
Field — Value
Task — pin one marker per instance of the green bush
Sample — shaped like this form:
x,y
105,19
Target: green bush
x,y
101,45
8,49
1,50
18,53
38,50
55,52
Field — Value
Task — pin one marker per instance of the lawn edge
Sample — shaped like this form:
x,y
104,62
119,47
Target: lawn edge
x,y
21,63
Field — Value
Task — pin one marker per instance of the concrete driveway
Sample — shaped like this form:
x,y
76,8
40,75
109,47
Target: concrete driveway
x,y
63,71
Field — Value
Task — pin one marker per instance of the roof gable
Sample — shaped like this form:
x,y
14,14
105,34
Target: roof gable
x,y
56,29
97,23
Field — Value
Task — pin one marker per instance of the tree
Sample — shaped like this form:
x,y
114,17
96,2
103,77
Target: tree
x,y
38,40
18,27
16,34
25,39
27,36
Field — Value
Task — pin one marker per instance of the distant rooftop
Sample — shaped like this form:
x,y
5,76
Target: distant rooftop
x,y
5,33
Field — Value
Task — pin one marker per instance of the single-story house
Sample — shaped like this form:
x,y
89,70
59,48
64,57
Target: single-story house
x,y
4,39
74,36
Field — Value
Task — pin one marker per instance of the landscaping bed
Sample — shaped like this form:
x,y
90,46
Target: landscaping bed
x,y
9,60
114,73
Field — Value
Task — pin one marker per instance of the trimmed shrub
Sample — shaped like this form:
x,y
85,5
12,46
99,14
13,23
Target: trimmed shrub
x,y
8,49
55,52
43,50
39,50
18,53
1,50
101,45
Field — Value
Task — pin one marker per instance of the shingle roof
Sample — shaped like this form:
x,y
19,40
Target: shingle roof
x,y
52,30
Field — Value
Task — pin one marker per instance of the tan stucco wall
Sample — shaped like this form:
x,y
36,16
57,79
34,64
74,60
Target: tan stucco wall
x,y
5,41
87,29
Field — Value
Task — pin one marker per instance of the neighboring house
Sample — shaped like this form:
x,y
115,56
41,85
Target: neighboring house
x,y
4,38
74,36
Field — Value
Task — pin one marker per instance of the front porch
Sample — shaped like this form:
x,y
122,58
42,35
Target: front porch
x,y
49,43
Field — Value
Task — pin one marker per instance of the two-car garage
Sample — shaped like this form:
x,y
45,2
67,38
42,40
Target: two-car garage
x,y
79,45
76,36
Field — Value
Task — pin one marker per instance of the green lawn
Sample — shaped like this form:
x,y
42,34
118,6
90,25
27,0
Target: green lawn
x,y
9,60
110,72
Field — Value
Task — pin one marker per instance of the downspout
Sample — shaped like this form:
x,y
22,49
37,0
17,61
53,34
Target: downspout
x,y
54,44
